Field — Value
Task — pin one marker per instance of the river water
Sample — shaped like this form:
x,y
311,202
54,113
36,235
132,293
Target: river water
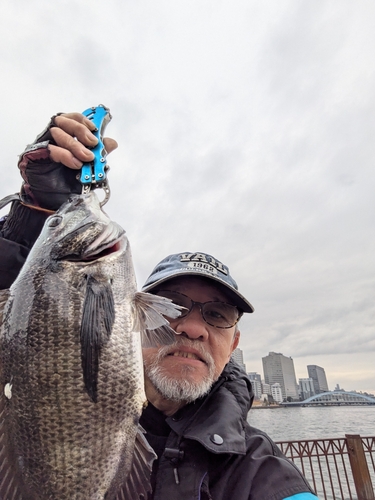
x,y
290,424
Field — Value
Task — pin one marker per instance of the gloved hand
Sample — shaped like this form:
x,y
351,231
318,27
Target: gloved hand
x,y
64,143
49,168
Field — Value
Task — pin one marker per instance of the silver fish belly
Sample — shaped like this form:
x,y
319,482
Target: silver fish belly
x,y
71,373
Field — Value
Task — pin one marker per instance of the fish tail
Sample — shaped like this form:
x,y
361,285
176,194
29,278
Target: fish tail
x,y
149,313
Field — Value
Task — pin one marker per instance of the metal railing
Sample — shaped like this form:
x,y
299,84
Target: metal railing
x,y
337,469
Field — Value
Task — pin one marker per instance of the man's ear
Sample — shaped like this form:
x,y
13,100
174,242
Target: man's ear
x,y
236,339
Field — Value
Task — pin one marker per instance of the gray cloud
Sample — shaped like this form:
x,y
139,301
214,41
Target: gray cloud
x,y
246,130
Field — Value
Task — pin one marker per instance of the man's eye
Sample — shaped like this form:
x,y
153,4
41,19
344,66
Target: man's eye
x,y
213,313
176,301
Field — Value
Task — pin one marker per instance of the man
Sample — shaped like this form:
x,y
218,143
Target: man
x,y
198,398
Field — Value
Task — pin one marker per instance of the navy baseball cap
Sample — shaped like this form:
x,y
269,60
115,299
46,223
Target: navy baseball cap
x,y
197,264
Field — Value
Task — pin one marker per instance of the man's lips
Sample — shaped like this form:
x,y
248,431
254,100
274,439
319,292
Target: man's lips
x,y
187,354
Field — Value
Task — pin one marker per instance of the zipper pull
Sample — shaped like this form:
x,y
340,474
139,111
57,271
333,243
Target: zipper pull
x,y
176,478
175,457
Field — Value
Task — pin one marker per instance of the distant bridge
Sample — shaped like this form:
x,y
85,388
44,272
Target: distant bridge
x,y
335,398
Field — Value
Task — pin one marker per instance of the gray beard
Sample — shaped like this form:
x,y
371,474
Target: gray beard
x,y
183,390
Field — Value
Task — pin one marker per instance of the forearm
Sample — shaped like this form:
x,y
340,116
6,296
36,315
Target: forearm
x,y
18,233
12,258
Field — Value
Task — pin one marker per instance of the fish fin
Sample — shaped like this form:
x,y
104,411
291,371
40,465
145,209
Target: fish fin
x,y
4,295
148,313
10,483
138,482
164,335
98,317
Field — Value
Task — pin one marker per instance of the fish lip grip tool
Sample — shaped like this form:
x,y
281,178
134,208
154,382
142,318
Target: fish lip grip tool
x,y
94,174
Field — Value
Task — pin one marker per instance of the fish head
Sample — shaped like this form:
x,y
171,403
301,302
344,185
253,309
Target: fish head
x,y
80,231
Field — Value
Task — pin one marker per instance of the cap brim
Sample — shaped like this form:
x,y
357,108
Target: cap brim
x,y
237,298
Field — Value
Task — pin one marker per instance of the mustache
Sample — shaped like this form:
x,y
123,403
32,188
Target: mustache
x,y
184,342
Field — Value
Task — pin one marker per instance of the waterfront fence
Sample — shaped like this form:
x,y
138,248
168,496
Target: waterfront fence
x,y
337,469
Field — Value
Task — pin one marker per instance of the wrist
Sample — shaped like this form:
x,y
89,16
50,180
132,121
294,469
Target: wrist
x,y
47,184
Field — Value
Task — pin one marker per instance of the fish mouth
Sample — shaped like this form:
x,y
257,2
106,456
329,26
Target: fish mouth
x,y
111,241
104,250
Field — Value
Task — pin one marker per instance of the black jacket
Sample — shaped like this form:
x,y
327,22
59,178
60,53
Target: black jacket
x,y
211,452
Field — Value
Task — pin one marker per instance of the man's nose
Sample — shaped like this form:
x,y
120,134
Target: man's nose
x,y
193,325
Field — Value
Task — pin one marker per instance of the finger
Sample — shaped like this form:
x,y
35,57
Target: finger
x,y
66,157
76,127
75,147
80,118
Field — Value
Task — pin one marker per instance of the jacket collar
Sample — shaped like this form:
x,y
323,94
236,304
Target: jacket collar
x,y
217,420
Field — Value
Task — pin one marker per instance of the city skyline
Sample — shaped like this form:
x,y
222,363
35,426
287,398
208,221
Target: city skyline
x,y
300,366
257,377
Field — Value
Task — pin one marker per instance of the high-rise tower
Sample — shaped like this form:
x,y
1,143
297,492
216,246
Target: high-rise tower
x,y
237,356
280,369
256,382
319,378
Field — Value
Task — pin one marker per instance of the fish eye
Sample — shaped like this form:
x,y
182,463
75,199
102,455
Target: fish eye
x,y
55,221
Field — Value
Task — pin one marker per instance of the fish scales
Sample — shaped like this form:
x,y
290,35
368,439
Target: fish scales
x,y
69,435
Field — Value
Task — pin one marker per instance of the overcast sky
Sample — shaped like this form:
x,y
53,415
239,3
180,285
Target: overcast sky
x,y
246,130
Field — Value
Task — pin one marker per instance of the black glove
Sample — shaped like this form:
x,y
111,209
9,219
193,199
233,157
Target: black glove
x,y
47,184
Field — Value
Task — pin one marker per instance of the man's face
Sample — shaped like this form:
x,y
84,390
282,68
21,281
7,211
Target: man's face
x,y
187,369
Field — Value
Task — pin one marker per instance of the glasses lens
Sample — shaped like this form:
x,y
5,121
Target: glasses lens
x,y
217,314
220,314
178,299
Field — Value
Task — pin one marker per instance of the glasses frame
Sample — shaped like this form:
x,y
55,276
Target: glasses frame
x,y
200,305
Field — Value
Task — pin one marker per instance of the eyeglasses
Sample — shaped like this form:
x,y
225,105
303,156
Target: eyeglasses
x,y
218,314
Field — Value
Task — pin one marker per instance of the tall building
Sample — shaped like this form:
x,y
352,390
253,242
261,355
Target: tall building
x,y
277,393
256,382
318,375
306,388
266,388
280,369
237,356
